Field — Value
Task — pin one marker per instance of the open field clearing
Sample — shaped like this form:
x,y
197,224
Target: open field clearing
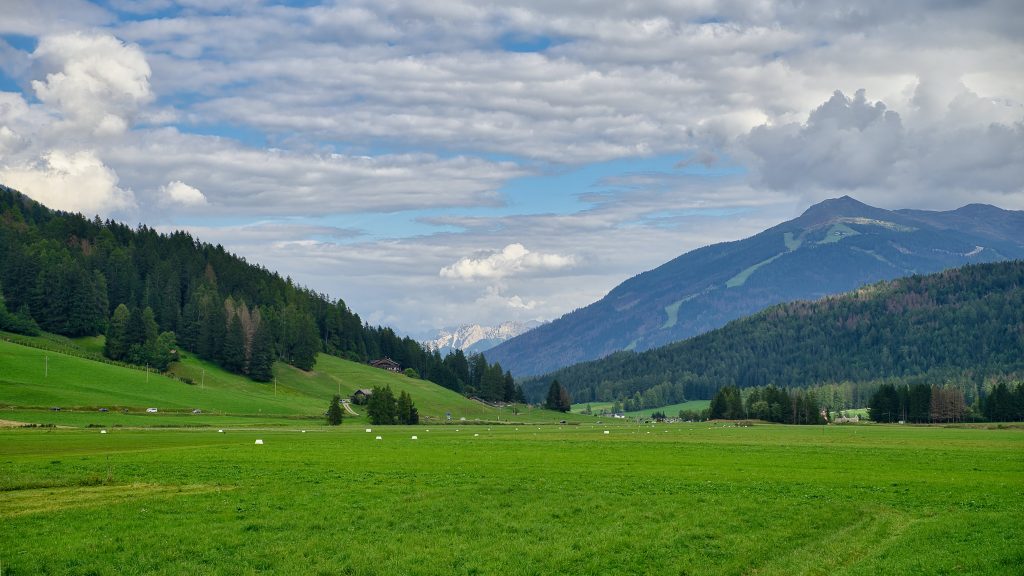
x,y
678,499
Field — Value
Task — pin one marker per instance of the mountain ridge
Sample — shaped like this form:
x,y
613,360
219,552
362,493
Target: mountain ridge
x,y
832,247
962,326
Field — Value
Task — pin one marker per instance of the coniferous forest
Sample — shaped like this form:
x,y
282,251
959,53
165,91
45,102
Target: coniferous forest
x,y
962,329
153,294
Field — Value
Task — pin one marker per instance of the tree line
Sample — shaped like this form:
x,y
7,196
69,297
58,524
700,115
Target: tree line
x,y
152,293
921,403
958,327
770,403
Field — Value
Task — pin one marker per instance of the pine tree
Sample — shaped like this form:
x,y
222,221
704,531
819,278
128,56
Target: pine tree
x,y
334,411
381,407
564,400
233,352
261,364
116,345
558,398
404,407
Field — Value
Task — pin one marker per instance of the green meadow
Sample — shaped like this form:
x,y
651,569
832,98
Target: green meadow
x,y
504,492
664,499
671,410
34,380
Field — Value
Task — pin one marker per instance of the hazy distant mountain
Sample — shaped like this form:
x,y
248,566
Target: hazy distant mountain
x,y
472,338
833,247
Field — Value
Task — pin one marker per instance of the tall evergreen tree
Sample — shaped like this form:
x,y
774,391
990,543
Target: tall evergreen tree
x,y
382,407
116,345
261,364
233,351
334,411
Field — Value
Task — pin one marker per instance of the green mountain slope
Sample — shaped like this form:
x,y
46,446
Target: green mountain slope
x,y
835,246
70,275
36,379
959,326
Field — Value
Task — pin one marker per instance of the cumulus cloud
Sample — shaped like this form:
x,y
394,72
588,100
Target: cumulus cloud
x,y
845,143
75,181
177,192
513,260
96,82
852,144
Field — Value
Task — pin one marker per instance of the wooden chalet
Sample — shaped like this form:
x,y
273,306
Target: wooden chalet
x,y
386,364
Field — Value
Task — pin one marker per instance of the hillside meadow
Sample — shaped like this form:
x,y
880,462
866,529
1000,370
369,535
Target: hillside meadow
x,y
34,379
662,499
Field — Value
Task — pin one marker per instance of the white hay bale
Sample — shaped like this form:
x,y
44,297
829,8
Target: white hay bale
x,y
259,441
103,431
607,432
379,438
414,438
369,429
303,431
475,435
221,431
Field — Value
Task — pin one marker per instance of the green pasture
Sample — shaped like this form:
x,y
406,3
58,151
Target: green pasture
x,y
671,410
33,380
665,499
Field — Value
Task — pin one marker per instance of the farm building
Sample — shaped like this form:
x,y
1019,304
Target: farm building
x,y
386,364
361,396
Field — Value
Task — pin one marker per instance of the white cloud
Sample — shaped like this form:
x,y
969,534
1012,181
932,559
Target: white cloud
x,y
95,82
37,17
513,260
853,145
75,181
177,192
278,182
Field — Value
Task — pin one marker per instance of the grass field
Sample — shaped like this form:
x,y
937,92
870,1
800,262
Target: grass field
x,y
671,411
667,499
32,380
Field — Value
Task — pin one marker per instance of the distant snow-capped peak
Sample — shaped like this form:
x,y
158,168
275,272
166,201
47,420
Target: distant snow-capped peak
x,y
476,338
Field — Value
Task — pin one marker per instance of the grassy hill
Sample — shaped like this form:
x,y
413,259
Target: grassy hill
x,y
59,372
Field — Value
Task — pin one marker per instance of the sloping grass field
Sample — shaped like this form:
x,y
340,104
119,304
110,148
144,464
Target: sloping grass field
x,y
33,380
675,499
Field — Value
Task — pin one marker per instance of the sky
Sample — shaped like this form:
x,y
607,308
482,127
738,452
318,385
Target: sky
x,y
451,162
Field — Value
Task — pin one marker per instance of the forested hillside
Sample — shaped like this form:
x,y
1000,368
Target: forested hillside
x,y
152,293
963,327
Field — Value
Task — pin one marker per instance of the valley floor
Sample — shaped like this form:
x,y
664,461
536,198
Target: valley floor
x,y
663,499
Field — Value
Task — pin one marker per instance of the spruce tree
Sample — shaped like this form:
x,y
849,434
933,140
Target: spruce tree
x,y
334,411
233,352
404,407
116,345
554,399
381,407
261,364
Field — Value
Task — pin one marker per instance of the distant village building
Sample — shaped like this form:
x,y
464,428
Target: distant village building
x,y
386,364
361,396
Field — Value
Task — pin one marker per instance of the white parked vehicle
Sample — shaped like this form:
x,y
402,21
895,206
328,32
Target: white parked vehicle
x,y
151,410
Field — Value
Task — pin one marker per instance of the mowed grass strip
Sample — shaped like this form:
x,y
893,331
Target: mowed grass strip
x,y
679,499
